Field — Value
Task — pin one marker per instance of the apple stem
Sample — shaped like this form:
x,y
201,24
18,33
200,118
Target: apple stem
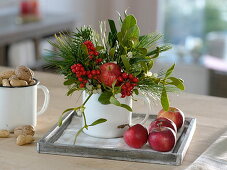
x,y
159,124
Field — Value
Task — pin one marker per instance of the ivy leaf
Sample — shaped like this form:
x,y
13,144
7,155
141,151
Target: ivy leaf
x,y
69,82
99,121
104,98
126,107
169,71
114,101
125,62
176,82
164,99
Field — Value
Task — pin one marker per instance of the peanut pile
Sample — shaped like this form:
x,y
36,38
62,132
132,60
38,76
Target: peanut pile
x,y
24,134
21,76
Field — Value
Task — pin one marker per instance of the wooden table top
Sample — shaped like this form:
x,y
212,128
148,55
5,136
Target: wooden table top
x,y
210,112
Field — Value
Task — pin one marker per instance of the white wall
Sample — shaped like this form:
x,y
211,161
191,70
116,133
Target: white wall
x,y
89,12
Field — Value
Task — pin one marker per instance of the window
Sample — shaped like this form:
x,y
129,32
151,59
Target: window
x,y
192,24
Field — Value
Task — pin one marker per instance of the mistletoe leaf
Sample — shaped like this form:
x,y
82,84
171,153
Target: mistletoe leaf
x,y
77,134
164,99
169,71
126,107
176,82
70,92
99,121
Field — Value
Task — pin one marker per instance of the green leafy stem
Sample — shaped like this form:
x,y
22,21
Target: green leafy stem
x,y
169,81
82,107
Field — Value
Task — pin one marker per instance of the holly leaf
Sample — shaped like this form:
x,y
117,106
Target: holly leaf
x,y
104,98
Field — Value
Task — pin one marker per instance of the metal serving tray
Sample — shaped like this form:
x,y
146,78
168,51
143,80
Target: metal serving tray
x,y
115,148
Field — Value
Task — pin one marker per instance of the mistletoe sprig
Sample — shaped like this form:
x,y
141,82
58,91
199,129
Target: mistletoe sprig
x,y
85,57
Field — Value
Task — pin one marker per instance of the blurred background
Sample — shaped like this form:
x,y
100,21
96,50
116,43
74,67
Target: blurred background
x,y
197,29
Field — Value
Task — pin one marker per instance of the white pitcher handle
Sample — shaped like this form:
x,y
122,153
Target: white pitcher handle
x,y
146,99
46,99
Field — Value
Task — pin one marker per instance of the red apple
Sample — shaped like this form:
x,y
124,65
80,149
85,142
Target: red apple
x,y
109,73
136,136
162,139
174,114
162,122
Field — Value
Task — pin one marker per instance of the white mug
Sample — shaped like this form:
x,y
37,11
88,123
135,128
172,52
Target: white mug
x,y
18,105
114,115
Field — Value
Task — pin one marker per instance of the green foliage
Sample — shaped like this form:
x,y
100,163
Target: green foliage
x,y
134,53
164,99
98,122
104,98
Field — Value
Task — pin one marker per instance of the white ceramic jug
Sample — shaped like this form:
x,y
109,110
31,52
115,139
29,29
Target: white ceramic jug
x,y
18,105
114,115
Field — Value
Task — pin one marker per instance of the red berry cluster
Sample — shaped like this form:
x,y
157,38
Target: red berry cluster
x,y
92,51
128,82
82,75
